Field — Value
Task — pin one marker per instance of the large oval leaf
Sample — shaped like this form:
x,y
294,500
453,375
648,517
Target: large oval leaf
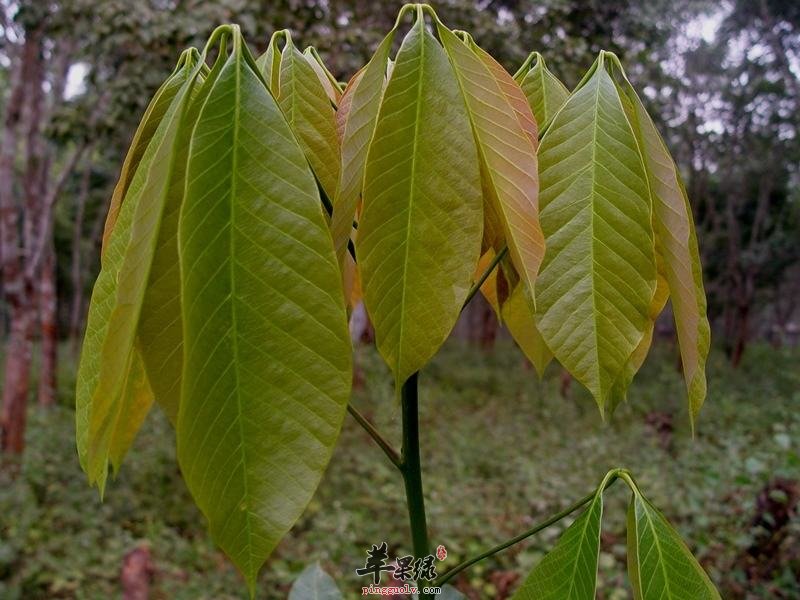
x,y
598,276
267,367
420,230
103,389
676,242
505,133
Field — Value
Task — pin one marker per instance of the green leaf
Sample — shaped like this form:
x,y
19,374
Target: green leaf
x,y
598,277
267,367
326,78
102,394
676,243
660,566
506,136
361,116
569,571
144,133
420,230
310,114
545,93
269,63
521,324
314,584
620,390
346,102
136,401
160,330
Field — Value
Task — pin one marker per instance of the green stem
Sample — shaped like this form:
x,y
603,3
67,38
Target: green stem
x,y
477,285
445,577
412,470
384,445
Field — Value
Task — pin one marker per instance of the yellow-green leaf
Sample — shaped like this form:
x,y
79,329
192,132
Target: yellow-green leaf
x,y
120,289
519,320
310,114
545,93
359,126
137,400
569,571
420,230
598,277
505,133
144,133
269,63
676,242
326,78
660,566
346,102
267,367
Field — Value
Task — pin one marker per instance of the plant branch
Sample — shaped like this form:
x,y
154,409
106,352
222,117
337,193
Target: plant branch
x,y
447,576
477,285
384,445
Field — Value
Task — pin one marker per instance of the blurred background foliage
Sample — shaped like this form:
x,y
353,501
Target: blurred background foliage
x,y
723,81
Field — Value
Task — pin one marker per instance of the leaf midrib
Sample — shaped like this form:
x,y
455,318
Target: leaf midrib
x,y
234,330
417,114
596,121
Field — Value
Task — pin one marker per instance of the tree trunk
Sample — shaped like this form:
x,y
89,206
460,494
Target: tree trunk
x,y
49,329
742,335
17,375
16,291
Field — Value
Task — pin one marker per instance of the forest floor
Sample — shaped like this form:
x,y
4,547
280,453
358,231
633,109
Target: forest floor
x,y
501,451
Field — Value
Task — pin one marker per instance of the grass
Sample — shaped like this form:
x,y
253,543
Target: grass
x,y
500,450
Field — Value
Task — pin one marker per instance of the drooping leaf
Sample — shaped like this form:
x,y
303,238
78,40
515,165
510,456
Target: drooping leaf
x,y
310,114
505,133
346,102
545,93
326,78
569,571
660,566
269,63
636,360
598,277
362,115
314,584
120,289
351,277
420,230
160,330
519,320
155,111
676,242
136,402
267,368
